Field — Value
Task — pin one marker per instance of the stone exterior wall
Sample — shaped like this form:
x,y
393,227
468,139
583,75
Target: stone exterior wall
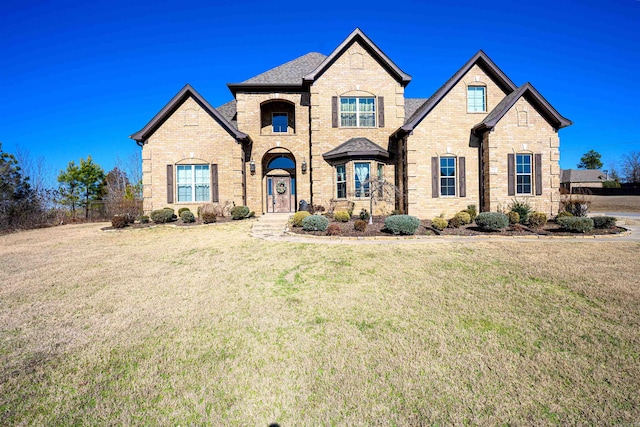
x,y
354,73
523,130
446,131
190,136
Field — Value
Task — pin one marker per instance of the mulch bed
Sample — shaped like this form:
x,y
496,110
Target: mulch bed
x,y
425,229
176,223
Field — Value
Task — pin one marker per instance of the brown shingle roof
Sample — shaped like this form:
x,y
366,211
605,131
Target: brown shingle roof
x,y
581,175
357,148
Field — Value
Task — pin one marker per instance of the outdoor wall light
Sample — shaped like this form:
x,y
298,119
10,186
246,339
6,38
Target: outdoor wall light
x,y
252,167
303,166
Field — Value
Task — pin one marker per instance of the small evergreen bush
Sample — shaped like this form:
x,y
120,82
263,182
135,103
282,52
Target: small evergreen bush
x,y
472,211
342,216
144,219
239,212
315,223
537,219
604,221
208,216
492,221
173,212
334,229
514,217
118,221
464,217
455,222
162,216
187,216
576,224
523,208
183,210
364,215
439,223
563,214
360,225
402,224
298,217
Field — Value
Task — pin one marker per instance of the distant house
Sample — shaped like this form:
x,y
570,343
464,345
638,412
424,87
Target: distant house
x,y
327,129
573,178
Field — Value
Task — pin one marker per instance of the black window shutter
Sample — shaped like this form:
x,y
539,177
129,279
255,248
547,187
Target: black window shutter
x,y
435,177
511,174
462,177
334,111
538,168
214,183
381,111
169,183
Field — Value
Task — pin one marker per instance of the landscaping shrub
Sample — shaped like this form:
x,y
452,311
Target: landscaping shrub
x,y
402,224
208,213
360,225
342,216
464,217
439,223
492,221
523,208
173,212
144,219
183,210
455,222
239,212
208,217
298,217
514,217
161,216
576,224
313,209
578,208
118,221
472,211
537,219
364,215
564,214
334,229
187,216
315,223
604,221
396,212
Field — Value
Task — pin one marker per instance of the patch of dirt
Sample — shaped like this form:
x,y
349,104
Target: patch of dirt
x,y
377,229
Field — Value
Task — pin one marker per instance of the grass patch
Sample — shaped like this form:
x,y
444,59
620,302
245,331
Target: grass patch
x,y
223,329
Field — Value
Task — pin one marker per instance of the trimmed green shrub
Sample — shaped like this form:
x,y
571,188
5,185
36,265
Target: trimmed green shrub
x,y
610,184
364,215
161,216
604,221
464,217
118,221
537,219
342,216
576,224
173,212
402,224
472,211
183,210
492,221
144,219
298,217
360,225
334,229
187,216
208,216
439,223
523,208
564,214
455,222
514,217
315,223
239,212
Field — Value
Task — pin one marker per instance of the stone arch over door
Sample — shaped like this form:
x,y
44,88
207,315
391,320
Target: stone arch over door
x,y
279,181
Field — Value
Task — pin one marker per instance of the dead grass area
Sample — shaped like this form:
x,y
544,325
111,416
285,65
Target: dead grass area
x,y
615,204
207,326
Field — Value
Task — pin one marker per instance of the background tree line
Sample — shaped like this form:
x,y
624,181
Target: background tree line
x,y
629,172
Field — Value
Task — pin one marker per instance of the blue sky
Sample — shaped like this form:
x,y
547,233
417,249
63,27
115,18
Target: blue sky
x,y
77,78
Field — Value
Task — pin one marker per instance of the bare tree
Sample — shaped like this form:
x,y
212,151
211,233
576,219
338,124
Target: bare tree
x,y
631,167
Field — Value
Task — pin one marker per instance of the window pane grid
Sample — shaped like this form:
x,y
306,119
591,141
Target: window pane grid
x,y
357,112
523,174
476,99
362,186
341,182
193,183
447,176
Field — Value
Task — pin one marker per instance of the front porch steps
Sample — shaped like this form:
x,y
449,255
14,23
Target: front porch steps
x,y
270,225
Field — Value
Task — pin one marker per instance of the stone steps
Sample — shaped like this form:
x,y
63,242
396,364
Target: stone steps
x,y
270,225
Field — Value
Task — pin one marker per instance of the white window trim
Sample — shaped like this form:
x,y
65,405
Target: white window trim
x,y
286,115
530,174
341,182
455,176
358,98
364,195
484,94
193,183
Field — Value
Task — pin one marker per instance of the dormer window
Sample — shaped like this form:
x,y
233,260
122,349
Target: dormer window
x,y
476,99
280,122
357,112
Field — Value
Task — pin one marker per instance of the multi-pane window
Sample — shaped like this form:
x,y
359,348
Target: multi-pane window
x,y
380,180
447,176
476,99
357,112
280,122
341,182
523,173
193,183
362,184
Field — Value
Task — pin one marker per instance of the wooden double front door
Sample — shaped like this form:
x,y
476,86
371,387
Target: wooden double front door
x,y
279,196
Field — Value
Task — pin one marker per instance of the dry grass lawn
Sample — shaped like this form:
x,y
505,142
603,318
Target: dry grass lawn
x,y
615,203
208,326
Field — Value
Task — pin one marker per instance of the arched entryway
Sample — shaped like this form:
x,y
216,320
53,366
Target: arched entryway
x,y
279,180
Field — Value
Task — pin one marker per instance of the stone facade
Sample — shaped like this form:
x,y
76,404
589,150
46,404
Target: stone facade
x,y
405,146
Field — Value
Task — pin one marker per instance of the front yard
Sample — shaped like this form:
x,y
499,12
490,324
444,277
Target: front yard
x,y
208,326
